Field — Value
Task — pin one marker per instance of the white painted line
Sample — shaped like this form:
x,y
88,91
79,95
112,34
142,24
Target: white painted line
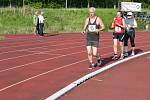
x,y
30,44
52,45
88,76
39,61
41,74
40,47
42,52
97,80
45,60
45,73
29,50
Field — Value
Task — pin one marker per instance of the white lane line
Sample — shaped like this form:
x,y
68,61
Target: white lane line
x,y
30,44
46,73
46,60
35,38
40,47
52,58
42,52
50,45
29,50
95,79
74,84
41,75
49,53
39,61
35,48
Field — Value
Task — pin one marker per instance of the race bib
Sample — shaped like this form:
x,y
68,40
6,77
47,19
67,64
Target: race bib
x,y
117,29
92,28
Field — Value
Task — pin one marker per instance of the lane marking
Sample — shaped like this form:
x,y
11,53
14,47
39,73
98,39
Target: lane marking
x,y
97,80
47,59
74,84
37,53
41,75
46,73
29,50
39,61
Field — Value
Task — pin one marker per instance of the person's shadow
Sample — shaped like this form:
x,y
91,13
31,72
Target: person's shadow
x,y
108,60
50,34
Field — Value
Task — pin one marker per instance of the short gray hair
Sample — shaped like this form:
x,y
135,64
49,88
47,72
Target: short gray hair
x,y
92,9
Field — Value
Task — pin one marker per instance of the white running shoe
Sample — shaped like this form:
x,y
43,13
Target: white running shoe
x,y
133,53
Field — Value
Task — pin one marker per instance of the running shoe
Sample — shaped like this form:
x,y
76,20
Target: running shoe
x,y
133,53
115,57
99,62
91,65
125,54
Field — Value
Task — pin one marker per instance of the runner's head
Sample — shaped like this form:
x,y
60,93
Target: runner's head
x,y
92,11
42,13
129,14
36,13
119,14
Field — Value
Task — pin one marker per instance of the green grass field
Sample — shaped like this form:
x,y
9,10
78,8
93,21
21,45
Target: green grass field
x,y
19,21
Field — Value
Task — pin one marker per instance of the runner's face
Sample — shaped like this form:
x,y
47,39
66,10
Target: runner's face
x,y
118,14
92,13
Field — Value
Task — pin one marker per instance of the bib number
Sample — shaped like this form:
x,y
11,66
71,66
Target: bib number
x,y
92,28
117,29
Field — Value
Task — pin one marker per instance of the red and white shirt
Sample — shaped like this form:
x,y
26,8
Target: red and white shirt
x,y
118,29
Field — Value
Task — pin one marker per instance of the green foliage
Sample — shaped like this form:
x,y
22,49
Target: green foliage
x,y
37,5
19,21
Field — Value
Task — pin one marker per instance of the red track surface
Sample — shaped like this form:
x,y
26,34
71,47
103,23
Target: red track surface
x,y
127,81
34,68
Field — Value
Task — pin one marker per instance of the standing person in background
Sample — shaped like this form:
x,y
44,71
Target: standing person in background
x,y
131,24
118,35
36,23
41,23
93,26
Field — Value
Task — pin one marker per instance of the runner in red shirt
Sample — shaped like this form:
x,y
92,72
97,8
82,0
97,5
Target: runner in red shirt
x,y
118,35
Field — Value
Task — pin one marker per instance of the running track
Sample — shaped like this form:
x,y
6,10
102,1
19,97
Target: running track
x,y
34,68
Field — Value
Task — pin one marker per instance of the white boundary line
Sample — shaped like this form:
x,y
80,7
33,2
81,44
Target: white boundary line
x,y
41,75
46,47
49,71
58,39
52,41
36,52
88,76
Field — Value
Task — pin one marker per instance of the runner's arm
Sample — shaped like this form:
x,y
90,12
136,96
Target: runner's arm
x,y
100,22
112,25
85,26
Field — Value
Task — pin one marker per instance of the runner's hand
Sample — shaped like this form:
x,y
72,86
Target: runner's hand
x,y
118,24
83,32
97,31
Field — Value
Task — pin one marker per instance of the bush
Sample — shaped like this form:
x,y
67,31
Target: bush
x,y
37,5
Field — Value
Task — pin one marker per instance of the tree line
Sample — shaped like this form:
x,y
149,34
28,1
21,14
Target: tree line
x,y
66,3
